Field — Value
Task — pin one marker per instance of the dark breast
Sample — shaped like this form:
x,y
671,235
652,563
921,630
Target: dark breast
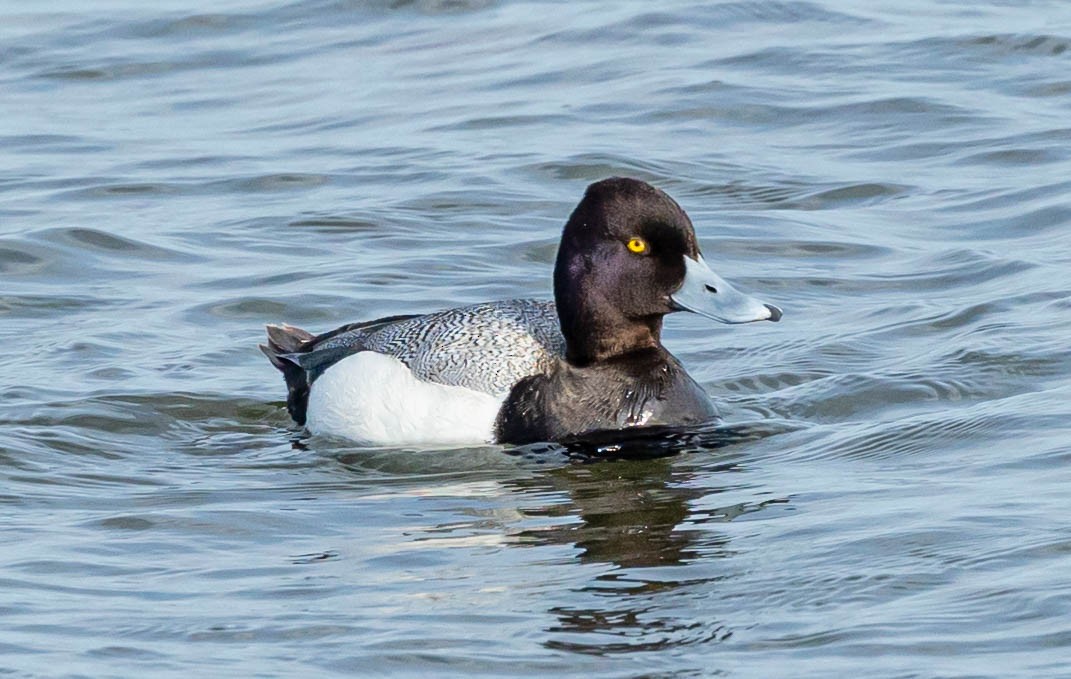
x,y
644,388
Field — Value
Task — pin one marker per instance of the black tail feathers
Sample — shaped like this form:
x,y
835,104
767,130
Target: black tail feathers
x,y
284,340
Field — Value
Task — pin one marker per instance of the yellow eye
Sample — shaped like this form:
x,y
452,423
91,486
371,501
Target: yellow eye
x,y
637,245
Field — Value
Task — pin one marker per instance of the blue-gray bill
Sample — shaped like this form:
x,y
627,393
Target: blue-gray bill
x,y
708,294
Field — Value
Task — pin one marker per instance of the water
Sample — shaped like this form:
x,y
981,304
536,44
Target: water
x,y
895,175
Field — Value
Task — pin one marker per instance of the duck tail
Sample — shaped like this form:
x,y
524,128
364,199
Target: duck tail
x,y
283,342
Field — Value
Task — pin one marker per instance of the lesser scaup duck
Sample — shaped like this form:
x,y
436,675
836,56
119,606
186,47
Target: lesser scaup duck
x,y
523,371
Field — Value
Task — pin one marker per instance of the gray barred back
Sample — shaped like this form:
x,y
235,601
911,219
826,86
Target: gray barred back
x,y
487,347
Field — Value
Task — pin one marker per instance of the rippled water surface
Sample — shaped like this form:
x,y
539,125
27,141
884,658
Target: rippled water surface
x,y
895,175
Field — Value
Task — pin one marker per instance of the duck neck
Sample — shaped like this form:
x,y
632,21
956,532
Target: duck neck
x,y
595,333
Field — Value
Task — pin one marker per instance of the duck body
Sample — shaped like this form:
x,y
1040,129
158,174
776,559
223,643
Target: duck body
x,y
434,378
522,371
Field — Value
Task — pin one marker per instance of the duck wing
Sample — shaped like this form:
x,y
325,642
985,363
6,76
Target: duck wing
x,y
485,347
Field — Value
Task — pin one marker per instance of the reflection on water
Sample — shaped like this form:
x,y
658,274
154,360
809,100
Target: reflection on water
x,y
627,514
633,516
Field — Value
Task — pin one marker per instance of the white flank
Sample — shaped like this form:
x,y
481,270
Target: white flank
x,y
374,399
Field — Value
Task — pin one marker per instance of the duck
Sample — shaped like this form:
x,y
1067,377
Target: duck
x,y
525,371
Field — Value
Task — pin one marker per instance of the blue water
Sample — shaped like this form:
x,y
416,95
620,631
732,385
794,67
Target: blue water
x,y
895,175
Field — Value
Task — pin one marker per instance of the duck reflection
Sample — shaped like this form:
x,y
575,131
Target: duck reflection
x,y
631,500
640,516
628,511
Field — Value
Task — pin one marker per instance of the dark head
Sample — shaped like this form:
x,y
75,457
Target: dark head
x,y
628,257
